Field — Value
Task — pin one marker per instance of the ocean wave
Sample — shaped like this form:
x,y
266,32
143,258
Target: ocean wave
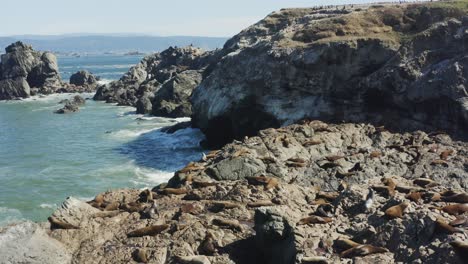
x,y
50,97
126,134
104,81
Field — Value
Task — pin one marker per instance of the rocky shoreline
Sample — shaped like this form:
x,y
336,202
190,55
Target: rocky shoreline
x,y
304,193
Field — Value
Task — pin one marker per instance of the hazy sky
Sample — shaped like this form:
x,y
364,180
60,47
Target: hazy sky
x,y
156,17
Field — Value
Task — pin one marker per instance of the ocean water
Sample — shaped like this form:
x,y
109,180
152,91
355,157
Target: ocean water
x,y
46,157
108,67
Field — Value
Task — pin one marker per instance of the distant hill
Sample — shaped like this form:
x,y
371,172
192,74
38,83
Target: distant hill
x,y
110,43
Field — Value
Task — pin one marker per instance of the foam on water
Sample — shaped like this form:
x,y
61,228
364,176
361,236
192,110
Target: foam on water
x,y
101,147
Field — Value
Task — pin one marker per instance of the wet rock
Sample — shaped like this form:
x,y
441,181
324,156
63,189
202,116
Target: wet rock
x,y
82,78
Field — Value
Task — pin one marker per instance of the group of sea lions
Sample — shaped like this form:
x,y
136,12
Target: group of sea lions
x,y
424,190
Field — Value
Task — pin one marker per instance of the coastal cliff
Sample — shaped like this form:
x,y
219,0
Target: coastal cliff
x,y
404,66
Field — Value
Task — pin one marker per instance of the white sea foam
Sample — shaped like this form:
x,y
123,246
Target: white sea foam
x,y
48,206
109,66
104,81
127,134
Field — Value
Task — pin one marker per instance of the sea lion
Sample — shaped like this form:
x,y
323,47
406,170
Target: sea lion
x,y
385,190
176,191
461,249
320,201
285,141
441,227
312,143
345,243
296,162
260,204
112,206
207,246
202,184
192,166
221,205
314,260
362,250
425,182
445,154
106,214
57,224
271,183
375,154
140,256
148,231
456,198
333,158
231,224
389,182
330,196
212,154
314,219
455,209
150,212
461,220
200,259
396,211
240,153
414,196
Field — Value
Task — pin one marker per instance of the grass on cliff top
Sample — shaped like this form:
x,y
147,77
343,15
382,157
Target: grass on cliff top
x,y
392,23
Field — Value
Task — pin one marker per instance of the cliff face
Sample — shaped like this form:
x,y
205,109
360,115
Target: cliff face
x,y
161,83
23,68
403,66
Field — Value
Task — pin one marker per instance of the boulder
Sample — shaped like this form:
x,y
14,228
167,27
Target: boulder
x,y
83,77
72,105
402,66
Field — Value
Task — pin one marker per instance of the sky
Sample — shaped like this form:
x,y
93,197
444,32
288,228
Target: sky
x,y
217,18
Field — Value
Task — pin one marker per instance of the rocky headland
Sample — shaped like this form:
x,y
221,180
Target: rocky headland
x,y
382,178
162,83
25,72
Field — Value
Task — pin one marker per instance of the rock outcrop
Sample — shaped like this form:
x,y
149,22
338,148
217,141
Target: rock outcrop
x,y
400,65
161,84
82,78
71,106
309,193
25,72
23,68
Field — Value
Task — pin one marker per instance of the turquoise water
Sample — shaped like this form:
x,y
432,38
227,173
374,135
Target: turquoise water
x,y
108,67
46,157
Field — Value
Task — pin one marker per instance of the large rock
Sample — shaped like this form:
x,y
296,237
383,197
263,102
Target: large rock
x,y
23,68
83,78
176,71
404,66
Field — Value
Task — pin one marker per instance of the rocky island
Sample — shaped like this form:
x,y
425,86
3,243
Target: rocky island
x,y
339,136
25,72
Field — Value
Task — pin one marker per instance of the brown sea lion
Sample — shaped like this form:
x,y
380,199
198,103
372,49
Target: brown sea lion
x,y
57,224
456,198
231,224
176,191
362,250
446,153
345,243
112,206
312,143
441,227
455,209
271,183
330,196
196,259
148,231
224,205
260,204
314,260
396,211
375,154
414,196
439,162
314,219
425,182
333,158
